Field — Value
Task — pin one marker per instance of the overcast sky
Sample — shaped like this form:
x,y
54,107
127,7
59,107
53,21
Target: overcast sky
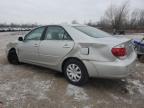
x,y
57,11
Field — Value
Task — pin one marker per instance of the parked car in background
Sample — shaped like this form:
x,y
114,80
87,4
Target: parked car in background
x,y
1,30
78,51
139,47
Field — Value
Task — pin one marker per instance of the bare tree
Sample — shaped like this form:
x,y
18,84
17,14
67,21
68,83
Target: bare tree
x,y
141,20
116,16
137,19
121,18
134,18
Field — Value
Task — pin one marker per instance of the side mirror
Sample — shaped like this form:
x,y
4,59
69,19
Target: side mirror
x,y
20,38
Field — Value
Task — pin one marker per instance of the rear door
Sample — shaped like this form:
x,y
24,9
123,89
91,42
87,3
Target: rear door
x,y
55,46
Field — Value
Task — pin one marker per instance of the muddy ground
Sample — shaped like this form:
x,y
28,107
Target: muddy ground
x,y
28,86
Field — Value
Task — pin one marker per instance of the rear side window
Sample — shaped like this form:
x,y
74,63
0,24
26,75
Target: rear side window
x,y
91,31
57,33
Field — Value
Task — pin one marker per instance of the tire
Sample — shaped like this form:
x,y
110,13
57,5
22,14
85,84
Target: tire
x,y
75,72
138,56
141,58
12,57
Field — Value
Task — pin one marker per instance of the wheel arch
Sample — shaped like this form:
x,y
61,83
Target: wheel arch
x,y
12,49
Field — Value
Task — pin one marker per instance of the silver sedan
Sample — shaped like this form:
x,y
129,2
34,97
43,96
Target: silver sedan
x,y
78,51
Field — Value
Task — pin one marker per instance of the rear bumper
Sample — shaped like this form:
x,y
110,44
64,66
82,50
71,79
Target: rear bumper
x,y
116,69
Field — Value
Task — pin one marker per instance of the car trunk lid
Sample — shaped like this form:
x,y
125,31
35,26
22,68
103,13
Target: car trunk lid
x,y
119,42
103,47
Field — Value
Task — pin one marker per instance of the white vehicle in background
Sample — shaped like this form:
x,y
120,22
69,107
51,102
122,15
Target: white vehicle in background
x,y
77,50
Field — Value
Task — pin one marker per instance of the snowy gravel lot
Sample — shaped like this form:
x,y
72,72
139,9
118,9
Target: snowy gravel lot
x,y
28,86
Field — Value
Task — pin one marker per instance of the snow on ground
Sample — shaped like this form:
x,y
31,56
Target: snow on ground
x,y
134,35
135,86
19,89
87,106
78,93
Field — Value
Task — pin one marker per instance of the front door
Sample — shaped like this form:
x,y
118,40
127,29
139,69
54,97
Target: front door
x,y
28,49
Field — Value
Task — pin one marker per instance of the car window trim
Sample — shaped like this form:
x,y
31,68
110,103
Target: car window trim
x,y
44,37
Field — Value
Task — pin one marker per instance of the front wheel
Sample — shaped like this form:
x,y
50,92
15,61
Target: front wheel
x,y
12,57
75,72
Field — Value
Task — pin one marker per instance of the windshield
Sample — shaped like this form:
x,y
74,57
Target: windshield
x,y
91,31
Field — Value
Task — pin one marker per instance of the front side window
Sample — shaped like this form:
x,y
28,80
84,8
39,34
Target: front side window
x,y
56,33
91,31
35,34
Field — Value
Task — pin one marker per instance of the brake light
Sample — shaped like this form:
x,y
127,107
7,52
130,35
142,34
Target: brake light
x,y
119,52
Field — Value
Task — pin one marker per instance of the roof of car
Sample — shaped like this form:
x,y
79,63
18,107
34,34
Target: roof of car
x,y
63,25
72,25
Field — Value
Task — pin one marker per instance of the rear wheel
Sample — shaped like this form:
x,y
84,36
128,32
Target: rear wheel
x,y
12,57
75,72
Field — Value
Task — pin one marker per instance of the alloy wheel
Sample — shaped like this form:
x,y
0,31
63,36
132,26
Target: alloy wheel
x,y
74,72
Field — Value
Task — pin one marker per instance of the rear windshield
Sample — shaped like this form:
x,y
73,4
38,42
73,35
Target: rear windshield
x,y
91,31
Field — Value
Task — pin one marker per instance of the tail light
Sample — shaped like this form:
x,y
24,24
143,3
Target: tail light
x,y
119,52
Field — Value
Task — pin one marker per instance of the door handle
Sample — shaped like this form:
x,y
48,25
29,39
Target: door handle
x,y
35,45
66,46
